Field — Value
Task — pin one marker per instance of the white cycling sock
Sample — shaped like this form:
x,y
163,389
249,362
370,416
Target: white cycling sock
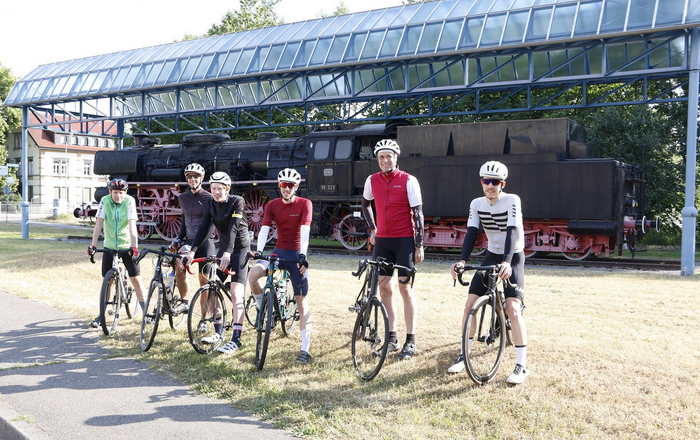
x,y
258,300
521,354
305,338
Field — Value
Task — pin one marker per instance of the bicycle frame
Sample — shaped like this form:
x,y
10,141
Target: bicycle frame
x,y
271,285
124,292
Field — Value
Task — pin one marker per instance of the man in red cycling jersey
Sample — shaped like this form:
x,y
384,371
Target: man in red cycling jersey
x,y
292,215
397,234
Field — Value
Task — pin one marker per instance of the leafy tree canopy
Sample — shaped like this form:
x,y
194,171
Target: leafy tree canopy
x,y
252,14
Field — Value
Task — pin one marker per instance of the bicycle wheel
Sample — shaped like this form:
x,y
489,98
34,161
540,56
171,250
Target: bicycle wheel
x,y
207,311
488,342
151,318
110,301
176,320
370,339
265,320
251,309
130,302
290,314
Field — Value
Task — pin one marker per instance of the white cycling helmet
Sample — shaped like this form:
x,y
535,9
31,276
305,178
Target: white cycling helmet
x,y
220,177
194,168
289,175
494,170
389,145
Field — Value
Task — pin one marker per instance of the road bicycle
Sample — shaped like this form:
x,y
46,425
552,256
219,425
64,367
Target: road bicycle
x,y
115,292
278,305
208,311
370,336
487,325
162,297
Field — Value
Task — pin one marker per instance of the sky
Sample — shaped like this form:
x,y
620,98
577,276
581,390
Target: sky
x,y
39,32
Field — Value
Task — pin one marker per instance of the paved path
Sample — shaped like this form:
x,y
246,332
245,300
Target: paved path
x,y
58,382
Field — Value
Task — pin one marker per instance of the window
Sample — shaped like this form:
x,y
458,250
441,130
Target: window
x,y
17,144
30,167
60,192
60,167
343,149
87,195
60,139
322,149
87,166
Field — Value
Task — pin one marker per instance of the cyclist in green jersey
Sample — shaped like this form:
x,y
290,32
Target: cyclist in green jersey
x,y
116,217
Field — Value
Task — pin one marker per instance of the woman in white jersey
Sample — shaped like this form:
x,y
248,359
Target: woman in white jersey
x,y
501,216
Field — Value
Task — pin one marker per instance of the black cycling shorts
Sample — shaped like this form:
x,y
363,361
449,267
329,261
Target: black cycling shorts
x,y
479,284
395,250
134,270
238,259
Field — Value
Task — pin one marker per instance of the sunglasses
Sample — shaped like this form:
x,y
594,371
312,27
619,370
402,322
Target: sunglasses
x,y
494,182
287,185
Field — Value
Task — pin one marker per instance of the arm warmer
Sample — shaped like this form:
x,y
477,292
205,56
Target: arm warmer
x,y
305,232
262,238
469,241
419,224
511,236
369,214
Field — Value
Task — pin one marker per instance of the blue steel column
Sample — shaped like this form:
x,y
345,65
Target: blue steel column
x,y
690,212
25,177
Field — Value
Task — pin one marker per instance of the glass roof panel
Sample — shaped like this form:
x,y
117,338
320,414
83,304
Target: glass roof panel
x,y
563,21
320,51
369,21
410,40
614,15
430,37
230,63
303,30
693,15
588,19
354,20
539,24
442,9
641,14
493,29
391,43
274,34
462,8
450,35
544,2
481,7
515,27
354,47
335,54
386,18
289,31
320,27
243,61
471,32
500,6
191,66
669,11
304,53
423,12
517,4
338,23
216,65
287,57
372,45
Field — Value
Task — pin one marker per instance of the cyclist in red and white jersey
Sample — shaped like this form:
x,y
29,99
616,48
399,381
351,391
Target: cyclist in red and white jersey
x,y
292,215
501,216
397,234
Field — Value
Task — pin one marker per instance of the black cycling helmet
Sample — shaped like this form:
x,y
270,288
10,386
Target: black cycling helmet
x,y
118,184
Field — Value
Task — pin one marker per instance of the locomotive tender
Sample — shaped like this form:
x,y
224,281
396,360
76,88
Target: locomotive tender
x,y
572,204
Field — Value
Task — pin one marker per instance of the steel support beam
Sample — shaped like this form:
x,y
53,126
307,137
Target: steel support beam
x,y
690,211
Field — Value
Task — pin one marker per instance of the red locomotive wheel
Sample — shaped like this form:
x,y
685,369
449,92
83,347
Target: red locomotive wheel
x,y
255,202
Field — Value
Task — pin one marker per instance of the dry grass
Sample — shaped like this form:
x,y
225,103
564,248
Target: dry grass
x,y
613,355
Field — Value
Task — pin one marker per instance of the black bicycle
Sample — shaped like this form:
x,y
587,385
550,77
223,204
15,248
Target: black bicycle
x,y
370,336
161,298
207,319
487,325
278,305
115,292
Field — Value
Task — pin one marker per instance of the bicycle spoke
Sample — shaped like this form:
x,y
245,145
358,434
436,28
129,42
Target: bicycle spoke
x,y
206,317
151,318
110,302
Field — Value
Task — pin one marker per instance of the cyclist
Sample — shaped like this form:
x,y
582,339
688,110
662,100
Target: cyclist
x,y
397,234
501,216
193,203
292,214
116,217
226,213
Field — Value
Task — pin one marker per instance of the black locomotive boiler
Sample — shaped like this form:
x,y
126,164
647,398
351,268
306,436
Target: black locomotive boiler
x,y
572,204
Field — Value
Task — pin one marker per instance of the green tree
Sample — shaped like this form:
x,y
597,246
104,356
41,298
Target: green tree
x,y
10,118
252,14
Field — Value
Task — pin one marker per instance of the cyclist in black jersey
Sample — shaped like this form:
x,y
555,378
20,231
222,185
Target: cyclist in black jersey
x,y
226,213
193,204
500,214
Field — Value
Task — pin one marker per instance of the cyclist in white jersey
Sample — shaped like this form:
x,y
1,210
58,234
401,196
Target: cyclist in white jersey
x,y
500,214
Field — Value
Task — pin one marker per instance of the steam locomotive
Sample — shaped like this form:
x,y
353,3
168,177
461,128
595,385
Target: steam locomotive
x,y
572,204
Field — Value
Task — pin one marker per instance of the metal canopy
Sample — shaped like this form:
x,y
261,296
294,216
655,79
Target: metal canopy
x,y
444,56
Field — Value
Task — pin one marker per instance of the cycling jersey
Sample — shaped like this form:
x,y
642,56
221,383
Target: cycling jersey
x,y
496,219
229,218
289,218
394,195
193,207
116,221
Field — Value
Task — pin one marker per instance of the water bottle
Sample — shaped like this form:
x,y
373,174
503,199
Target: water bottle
x,y
170,280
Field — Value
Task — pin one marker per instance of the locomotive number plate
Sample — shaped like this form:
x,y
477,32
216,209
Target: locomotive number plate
x,y
331,187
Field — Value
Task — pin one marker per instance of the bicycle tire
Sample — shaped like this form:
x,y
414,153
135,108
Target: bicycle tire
x,y
251,310
370,343
264,328
201,318
288,310
175,321
110,301
151,317
130,302
489,341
